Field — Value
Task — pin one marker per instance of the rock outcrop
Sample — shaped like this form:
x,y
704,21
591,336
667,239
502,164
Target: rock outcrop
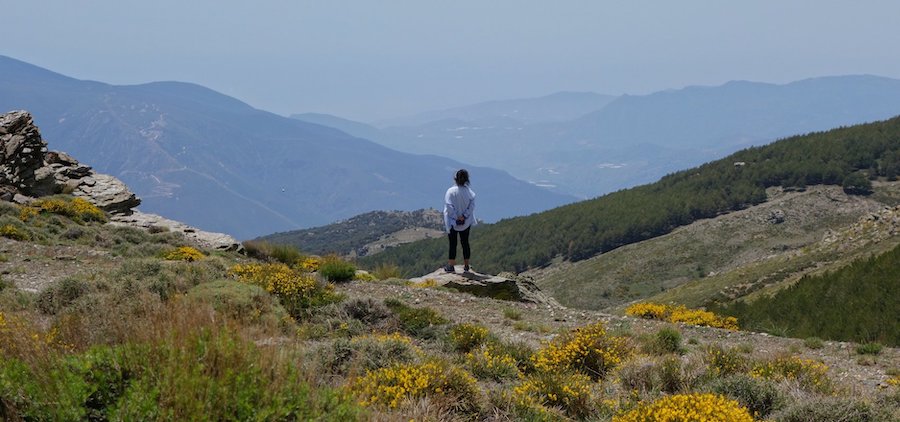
x,y
28,169
209,240
505,286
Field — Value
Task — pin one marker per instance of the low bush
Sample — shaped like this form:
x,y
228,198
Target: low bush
x,y
570,391
368,353
419,322
240,301
871,348
813,343
466,336
687,407
387,270
668,374
272,252
665,340
759,396
512,314
337,270
809,374
723,362
367,310
834,409
492,362
14,232
681,314
299,292
184,253
63,293
587,349
77,209
390,386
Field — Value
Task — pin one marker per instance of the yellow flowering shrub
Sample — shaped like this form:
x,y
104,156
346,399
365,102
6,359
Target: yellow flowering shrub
x,y
688,407
12,232
27,213
310,264
78,209
810,374
487,362
724,361
648,310
894,381
297,290
428,283
587,349
364,276
681,314
466,336
389,387
184,253
570,391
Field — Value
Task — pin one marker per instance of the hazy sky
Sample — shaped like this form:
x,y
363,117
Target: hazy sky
x,y
375,59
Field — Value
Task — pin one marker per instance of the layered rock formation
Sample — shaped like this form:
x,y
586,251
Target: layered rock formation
x,y
28,169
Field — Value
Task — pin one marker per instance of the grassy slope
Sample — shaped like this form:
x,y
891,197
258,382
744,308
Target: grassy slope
x,y
187,356
694,263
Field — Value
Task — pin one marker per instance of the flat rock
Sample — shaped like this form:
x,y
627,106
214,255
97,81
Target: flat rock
x,y
506,286
147,221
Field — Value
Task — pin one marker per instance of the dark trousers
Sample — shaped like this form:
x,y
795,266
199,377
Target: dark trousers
x,y
464,238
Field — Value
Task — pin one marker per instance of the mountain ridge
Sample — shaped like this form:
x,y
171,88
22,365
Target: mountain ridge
x,y
215,162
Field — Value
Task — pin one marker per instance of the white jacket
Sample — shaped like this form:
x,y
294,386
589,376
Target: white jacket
x,y
459,201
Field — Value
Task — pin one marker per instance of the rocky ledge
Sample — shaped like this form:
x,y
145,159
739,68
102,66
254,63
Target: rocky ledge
x,y
505,286
29,170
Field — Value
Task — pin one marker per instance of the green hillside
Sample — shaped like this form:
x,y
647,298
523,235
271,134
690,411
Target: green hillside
x,y
582,230
859,302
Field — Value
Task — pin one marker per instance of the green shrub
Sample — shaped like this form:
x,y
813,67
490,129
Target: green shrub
x,y
337,270
492,362
299,292
813,343
722,362
666,340
512,314
240,301
842,409
63,293
419,322
366,310
568,390
871,348
386,271
272,252
368,353
857,184
759,396
14,232
465,337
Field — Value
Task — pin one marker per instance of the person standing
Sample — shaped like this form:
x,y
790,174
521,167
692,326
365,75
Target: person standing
x,y
459,208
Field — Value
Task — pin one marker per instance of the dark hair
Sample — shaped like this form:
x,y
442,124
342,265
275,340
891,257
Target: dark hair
x,y
462,177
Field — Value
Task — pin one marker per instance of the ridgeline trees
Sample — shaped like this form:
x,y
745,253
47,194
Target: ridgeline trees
x,y
584,229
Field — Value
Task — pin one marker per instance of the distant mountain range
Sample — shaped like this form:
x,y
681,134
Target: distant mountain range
x,y
619,142
201,157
